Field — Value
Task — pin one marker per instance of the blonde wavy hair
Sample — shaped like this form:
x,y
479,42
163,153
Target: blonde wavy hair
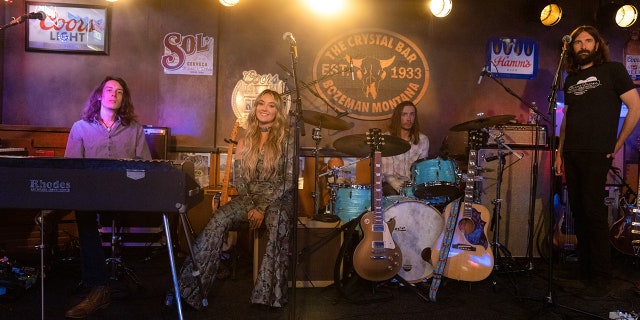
x,y
272,150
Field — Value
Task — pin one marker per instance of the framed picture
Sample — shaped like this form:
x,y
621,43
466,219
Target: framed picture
x,y
69,28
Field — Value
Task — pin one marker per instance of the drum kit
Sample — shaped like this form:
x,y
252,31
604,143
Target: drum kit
x,y
435,182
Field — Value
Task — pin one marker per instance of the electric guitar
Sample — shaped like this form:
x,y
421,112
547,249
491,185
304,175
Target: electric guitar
x,y
564,237
376,257
625,233
470,257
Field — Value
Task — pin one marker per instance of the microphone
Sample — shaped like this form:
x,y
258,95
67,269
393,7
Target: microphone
x,y
289,36
292,41
353,75
565,41
490,157
40,15
482,73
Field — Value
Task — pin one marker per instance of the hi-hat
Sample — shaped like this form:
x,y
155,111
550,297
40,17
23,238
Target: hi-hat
x,y
323,120
478,124
356,145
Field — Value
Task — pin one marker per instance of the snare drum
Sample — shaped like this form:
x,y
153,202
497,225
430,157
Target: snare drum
x,y
435,177
351,200
417,228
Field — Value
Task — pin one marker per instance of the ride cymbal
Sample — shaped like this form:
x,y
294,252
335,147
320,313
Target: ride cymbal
x,y
356,145
322,120
480,123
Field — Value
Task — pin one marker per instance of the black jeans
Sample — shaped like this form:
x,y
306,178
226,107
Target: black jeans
x,y
586,176
94,269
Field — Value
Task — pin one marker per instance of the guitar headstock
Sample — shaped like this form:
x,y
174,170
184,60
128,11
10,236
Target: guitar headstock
x,y
374,139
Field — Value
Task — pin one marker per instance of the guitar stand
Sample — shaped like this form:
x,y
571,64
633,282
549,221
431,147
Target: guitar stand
x,y
412,287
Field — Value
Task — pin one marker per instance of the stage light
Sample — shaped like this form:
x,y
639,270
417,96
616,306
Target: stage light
x,y
551,14
440,8
614,13
626,15
229,3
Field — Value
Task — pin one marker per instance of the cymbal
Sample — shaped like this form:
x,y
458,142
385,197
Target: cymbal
x,y
323,120
480,123
356,145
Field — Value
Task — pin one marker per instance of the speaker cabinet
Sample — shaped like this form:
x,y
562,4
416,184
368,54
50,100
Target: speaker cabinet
x,y
318,247
157,140
515,195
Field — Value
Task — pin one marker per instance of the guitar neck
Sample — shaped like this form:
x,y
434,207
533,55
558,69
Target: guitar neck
x,y
470,184
224,197
377,185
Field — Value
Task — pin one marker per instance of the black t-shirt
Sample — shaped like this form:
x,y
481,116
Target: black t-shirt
x,y
593,99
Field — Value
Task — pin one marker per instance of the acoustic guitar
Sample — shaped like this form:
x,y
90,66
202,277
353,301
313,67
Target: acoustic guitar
x,y
227,191
376,257
470,257
224,197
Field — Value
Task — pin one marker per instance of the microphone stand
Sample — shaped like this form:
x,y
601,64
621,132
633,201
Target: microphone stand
x,y
14,22
534,168
296,115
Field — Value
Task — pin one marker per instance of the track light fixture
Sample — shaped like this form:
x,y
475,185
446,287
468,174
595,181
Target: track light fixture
x,y
621,13
440,8
551,14
626,15
229,3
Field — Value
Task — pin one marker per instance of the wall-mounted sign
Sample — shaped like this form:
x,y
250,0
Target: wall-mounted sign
x,y
69,28
512,57
367,72
187,54
247,89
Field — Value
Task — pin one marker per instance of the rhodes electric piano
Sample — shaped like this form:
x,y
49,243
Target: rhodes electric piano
x,y
101,185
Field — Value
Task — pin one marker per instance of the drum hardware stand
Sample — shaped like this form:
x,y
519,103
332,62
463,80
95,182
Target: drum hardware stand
x,y
115,261
317,137
333,172
501,254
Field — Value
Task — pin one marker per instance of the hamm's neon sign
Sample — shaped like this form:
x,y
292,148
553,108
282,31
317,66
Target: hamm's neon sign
x,y
369,71
512,58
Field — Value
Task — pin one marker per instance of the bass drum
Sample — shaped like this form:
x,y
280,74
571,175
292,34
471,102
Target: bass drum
x,y
417,228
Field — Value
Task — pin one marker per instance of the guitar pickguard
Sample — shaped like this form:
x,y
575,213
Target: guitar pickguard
x,y
477,236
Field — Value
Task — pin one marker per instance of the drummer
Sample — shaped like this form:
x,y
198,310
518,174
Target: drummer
x,y
397,169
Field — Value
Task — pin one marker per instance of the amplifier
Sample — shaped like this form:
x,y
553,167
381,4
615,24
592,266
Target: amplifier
x,y
318,248
519,135
157,140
